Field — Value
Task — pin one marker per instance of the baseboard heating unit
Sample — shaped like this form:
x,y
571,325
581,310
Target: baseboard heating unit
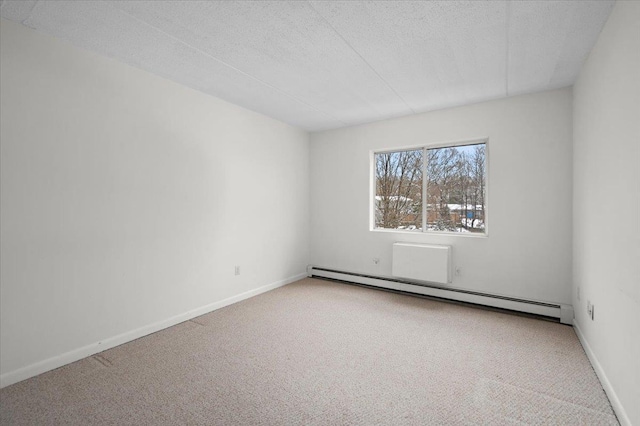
x,y
562,312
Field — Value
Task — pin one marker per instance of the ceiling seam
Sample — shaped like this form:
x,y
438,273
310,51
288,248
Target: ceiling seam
x,y
295,98
557,63
29,15
506,39
369,103
361,57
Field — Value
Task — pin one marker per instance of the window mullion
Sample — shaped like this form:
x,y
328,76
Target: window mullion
x,y
424,189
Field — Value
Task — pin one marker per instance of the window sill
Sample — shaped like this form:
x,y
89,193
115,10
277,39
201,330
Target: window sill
x,y
437,233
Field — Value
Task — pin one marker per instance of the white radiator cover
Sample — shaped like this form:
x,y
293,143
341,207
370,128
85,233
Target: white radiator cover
x,y
424,262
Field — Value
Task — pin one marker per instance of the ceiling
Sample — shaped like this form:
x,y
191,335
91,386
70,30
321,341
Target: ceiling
x,y
321,65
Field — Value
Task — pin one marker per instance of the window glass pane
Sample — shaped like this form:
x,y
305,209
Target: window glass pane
x,y
456,188
398,201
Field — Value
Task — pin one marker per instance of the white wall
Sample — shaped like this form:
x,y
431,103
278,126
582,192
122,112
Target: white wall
x,y
128,199
606,206
527,253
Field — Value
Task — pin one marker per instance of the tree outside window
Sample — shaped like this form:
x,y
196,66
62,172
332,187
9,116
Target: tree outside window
x,y
452,178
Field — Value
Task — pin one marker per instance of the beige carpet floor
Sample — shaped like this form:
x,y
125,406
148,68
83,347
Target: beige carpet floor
x,y
323,353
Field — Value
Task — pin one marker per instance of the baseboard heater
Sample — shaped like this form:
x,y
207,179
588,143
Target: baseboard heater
x,y
562,312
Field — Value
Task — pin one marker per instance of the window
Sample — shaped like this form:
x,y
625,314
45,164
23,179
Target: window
x,y
452,180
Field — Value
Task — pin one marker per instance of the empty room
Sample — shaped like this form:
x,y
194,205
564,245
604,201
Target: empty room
x,y
320,212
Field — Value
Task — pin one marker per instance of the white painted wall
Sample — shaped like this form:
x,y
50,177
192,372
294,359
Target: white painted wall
x,y
527,253
128,199
606,206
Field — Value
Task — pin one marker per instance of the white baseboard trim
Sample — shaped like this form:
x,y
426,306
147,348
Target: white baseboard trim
x,y
57,361
606,385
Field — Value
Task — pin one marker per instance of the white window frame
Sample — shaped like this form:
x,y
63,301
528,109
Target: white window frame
x,y
425,148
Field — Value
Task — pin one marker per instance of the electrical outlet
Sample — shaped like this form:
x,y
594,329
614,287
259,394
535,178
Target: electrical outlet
x,y
376,260
237,270
589,309
458,271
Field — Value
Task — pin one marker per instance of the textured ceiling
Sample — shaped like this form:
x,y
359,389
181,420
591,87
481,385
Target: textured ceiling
x,y
323,65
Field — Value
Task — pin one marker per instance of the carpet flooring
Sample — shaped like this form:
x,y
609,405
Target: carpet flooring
x,y
321,353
